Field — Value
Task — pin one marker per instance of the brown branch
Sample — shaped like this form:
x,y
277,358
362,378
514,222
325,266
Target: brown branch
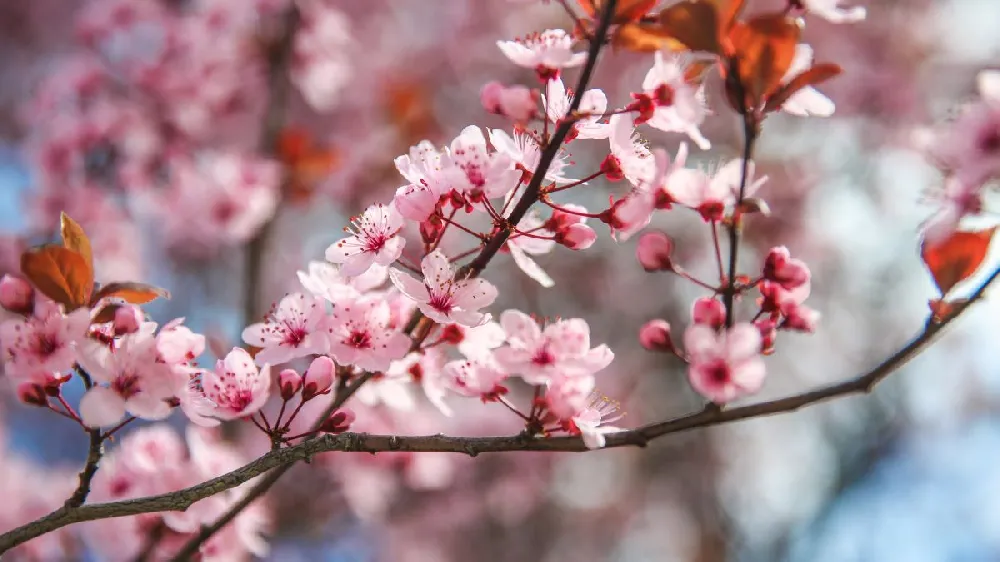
x,y
94,453
750,131
472,446
279,89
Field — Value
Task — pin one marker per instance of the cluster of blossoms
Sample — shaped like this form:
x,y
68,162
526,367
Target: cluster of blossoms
x,y
968,151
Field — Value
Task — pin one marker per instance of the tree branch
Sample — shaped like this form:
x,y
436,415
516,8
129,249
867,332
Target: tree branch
x,y
355,442
94,453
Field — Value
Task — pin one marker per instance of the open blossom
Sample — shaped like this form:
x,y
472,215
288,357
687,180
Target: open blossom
x,y
360,334
547,51
539,356
831,11
636,210
515,102
475,169
236,388
477,377
130,378
594,103
296,328
806,101
526,154
44,342
711,195
443,298
324,280
686,109
374,240
520,246
634,158
591,421
425,168
427,369
724,365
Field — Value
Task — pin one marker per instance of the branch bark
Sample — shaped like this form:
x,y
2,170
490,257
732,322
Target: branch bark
x,y
94,453
472,446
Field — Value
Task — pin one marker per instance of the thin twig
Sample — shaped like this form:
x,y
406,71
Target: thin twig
x,y
472,446
94,453
750,130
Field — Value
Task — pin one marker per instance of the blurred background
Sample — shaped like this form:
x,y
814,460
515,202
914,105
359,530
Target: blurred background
x,y
163,127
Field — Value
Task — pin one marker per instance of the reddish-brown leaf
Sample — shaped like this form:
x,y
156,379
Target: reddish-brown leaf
x,y
941,309
76,239
645,38
134,293
625,11
764,48
956,258
696,24
106,313
815,75
306,163
60,274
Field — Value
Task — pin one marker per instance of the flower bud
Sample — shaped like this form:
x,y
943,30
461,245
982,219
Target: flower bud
x,y
290,383
768,333
653,251
516,102
16,295
577,237
339,422
32,393
779,267
655,336
708,311
318,378
127,319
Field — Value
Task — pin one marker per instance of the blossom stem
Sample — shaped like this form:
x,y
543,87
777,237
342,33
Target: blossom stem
x,y
718,249
450,221
570,211
512,408
577,183
70,412
109,433
94,452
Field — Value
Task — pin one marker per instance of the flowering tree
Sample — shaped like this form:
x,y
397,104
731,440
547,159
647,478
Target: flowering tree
x,y
176,118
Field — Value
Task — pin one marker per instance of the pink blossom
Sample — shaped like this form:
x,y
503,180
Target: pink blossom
x,y
480,377
294,329
725,365
807,101
318,378
686,110
127,319
571,229
653,251
591,421
561,350
649,194
360,335
177,344
415,201
289,383
44,342
594,104
425,166
443,298
520,246
568,397
137,382
710,196
474,168
515,102
236,387
785,270
709,311
375,239
634,158
551,49
831,11
16,295
324,280
526,154
655,336
321,67
427,369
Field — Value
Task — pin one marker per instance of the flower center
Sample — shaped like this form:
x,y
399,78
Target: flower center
x,y
718,372
360,340
126,385
46,344
441,302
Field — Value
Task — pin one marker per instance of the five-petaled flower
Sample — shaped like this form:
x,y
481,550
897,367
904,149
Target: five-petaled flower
x,y
236,388
290,330
360,334
539,356
374,240
443,298
724,365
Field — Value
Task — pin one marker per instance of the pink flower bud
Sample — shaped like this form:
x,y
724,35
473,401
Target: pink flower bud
x,y
577,237
290,383
32,393
779,267
654,250
516,102
318,378
708,311
339,422
655,336
16,295
799,317
127,319
768,333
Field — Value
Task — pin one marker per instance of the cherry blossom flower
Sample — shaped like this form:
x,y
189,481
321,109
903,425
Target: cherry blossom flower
x,y
636,210
393,391
635,160
785,270
725,365
236,387
374,240
526,154
708,311
321,67
416,201
653,251
831,11
427,369
594,103
177,344
590,422
16,294
137,382
539,356
474,168
480,377
45,342
325,281
546,52
424,166
318,378
443,298
296,328
807,101
568,397
655,336
360,335
686,110
520,246
515,102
